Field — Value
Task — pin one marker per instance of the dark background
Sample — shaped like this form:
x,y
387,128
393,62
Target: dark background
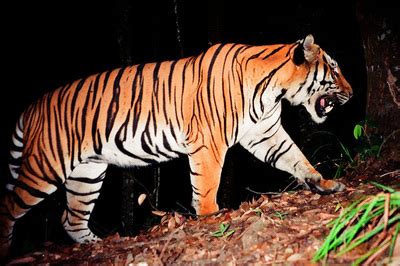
x,y
46,45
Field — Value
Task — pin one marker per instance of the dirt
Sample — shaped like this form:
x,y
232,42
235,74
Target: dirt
x,y
285,228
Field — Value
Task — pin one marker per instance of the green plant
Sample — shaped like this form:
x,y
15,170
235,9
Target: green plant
x,y
223,231
377,215
332,156
257,211
369,142
280,215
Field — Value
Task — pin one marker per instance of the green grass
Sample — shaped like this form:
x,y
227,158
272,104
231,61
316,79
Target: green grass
x,y
374,220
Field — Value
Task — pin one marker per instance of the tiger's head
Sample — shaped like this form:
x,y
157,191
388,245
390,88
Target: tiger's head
x,y
316,81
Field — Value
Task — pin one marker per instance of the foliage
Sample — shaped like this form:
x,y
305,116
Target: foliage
x,y
223,231
369,142
331,155
280,215
337,157
375,216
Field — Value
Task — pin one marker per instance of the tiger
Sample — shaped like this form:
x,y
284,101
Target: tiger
x,y
143,114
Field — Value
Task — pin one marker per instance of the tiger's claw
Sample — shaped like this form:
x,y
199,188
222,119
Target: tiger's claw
x,y
324,187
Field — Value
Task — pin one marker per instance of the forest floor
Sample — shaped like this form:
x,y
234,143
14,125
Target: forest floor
x,y
285,228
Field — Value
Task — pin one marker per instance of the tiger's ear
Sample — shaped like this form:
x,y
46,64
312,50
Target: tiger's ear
x,y
311,50
306,51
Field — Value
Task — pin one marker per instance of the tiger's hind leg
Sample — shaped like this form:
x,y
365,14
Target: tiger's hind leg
x,y
205,174
29,189
82,188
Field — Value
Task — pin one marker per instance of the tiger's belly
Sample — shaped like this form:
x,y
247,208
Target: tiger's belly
x,y
143,149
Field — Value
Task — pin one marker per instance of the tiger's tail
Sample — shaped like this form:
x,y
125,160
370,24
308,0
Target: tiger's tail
x,y
16,149
6,219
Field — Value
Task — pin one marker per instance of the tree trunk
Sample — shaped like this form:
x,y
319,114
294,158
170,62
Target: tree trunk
x,y
123,31
215,35
380,33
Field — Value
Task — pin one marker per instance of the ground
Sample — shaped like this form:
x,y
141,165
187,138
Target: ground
x,y
285,228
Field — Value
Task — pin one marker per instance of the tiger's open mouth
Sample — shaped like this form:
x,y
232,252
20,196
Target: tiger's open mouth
x,y
325,104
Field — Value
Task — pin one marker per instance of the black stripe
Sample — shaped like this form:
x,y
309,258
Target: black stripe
x,y
171,129
73,213
195,191
95,89
114,104
170,76
314,78
78,229
209,75
279,97
273,155
76,193
156,84
88,180
273,52
137,104
254,56
106,77
82,212
18,138
85,107
97,145
76,93
32,191
262,86
122,131
58,180
193,172
303,83
251,145
119,143
280,154
15,161
92,201
19,201
78,139
47,106
291,48
166,144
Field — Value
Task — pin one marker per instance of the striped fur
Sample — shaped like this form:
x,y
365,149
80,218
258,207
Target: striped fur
x,y
139,115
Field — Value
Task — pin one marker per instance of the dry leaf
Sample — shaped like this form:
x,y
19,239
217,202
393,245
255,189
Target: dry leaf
x,y
396,250
159,213
141,198
295,257
171,223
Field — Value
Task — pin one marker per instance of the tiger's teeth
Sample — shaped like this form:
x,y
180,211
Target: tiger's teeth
x,y
328,109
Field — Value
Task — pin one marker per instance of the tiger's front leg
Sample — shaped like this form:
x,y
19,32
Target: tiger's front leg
x,y
205,172
274,146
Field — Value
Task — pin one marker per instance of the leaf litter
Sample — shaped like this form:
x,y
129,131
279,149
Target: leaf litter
x,y
286,228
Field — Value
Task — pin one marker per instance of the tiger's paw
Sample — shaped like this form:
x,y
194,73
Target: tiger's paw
x,y
205,208
324,186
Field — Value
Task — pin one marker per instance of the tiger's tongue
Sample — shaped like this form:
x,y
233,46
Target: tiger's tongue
x,y
322,102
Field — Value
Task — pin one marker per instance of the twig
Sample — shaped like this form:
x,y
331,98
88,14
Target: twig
x,y
395,172
166,243
272,193
377,253
384,141
188,212
263,193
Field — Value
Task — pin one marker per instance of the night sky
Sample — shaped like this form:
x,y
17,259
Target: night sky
x,y
46,45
